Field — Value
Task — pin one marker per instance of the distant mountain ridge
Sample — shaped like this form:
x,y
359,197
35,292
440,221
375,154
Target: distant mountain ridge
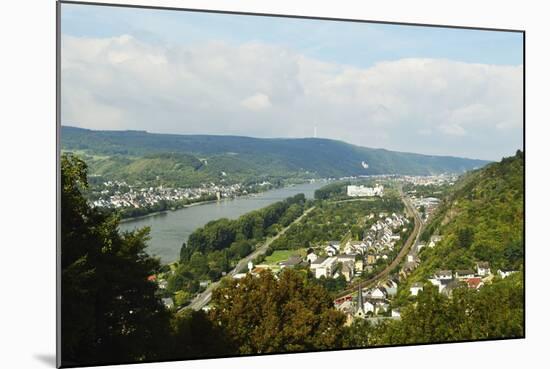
x,y
264,156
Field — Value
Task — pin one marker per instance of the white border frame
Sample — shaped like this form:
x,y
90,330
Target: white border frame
x,y
28,163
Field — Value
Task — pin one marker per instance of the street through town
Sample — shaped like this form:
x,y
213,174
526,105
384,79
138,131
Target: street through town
x,y
204,298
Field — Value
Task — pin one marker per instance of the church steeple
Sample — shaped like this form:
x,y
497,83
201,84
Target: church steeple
x,y
359,308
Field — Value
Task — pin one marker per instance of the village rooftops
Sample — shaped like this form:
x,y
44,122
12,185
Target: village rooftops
x,y
292,261
347,257
378,293
444,274
318,261
448,290
474,282
464,272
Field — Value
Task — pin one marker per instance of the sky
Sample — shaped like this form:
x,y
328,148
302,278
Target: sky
x,y
416,89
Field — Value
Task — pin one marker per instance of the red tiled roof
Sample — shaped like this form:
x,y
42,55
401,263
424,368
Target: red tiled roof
x,y
473,282
152,278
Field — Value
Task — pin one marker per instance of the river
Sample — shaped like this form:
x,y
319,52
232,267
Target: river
x,y
170,229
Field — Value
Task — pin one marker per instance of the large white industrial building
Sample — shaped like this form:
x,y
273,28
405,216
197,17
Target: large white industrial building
x,y
360,191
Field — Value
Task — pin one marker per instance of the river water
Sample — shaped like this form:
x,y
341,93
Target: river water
x,y
170,229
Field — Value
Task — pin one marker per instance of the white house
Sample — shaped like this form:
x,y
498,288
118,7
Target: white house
x,y
391,287
415,288
331,250
483,269
443,275
317,263
505,273
311,257
368,306
437,282
353,247
326,268
378,293
395,313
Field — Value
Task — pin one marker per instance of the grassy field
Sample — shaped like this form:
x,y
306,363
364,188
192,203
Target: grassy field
x,y
282,255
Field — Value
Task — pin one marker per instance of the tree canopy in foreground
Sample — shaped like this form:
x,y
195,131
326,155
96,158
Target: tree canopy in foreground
x,y
268,314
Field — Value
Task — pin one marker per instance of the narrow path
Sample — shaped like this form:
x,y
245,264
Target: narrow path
x,y
202,299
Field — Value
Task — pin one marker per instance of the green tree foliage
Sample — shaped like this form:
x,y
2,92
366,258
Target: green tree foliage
x,y
215,248
465,237
358,334
332,190
135,154
195,336
110,312
495,311
332,285
332,221
266,314
480,219
221,234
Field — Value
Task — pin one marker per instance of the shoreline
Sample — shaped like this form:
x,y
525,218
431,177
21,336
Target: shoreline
x,y
197,203
127,220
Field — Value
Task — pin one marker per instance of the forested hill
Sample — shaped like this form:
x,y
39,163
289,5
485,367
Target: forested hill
x,y
482,219
311,156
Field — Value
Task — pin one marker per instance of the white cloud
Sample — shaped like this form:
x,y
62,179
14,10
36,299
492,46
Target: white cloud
x,y
419,105
256,102
452,129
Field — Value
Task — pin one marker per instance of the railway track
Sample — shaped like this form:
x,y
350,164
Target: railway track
x,y
413,238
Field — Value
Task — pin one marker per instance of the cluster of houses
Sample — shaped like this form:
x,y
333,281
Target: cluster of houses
x,y
118,194
365,191
446,280
374,303
370,303
351,259
162,284
436,180
356,256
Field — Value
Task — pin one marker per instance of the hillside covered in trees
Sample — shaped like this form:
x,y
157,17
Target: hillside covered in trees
x,y
481,219
194,158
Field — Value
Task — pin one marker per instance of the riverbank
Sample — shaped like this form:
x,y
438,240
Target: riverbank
x,y
171,229
155,213
197,203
